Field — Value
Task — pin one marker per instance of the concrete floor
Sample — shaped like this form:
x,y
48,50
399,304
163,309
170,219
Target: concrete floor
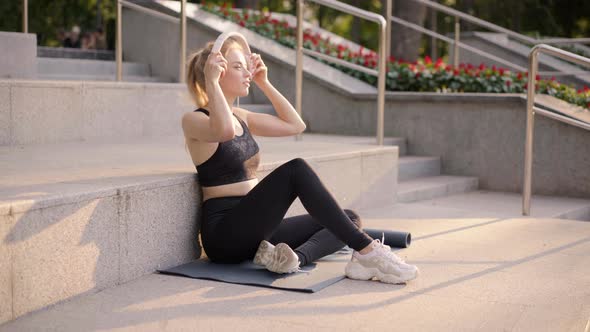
x,y
477,274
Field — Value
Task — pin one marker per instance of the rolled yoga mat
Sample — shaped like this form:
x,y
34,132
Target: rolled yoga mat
x,y
392,238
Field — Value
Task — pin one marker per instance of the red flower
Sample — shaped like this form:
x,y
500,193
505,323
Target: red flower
x,y
242,23
456,72
438,63
519,76
427,60
508,83
481,66
537,77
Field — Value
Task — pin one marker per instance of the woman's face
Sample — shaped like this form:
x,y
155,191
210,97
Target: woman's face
x,y
237,78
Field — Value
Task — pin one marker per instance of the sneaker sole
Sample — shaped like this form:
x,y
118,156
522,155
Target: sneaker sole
x,y
356,271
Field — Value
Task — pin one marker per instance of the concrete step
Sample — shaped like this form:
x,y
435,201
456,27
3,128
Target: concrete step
x,y
50,112
509,205
74,53
412,167
108,78
76,218
84,67
485,204
436,186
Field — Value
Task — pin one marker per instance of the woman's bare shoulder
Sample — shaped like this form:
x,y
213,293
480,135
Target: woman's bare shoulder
x,y
242,113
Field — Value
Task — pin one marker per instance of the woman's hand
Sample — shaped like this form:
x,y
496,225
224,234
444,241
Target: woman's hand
x,y
258,69
215,67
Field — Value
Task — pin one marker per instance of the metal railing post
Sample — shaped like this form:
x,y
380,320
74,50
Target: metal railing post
x,y
382,70
528,145
182,59
531,110
456,44
25,16
119,42
299,61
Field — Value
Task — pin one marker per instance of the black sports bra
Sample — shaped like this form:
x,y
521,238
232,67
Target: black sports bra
x,y
235,160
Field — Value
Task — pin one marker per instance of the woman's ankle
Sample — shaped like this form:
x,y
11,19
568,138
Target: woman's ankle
x,y
366,250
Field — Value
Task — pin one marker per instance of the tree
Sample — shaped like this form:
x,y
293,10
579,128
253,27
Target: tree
x,y
406,42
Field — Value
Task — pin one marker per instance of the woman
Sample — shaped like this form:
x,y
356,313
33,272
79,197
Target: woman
x,y
242,217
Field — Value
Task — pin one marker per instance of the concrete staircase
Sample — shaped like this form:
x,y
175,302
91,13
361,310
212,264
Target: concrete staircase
x,y
96,189
93,70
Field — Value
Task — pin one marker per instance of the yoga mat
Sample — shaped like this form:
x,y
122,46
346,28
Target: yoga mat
x,y
318,275
392,238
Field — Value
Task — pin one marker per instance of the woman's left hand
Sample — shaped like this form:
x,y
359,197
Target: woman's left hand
x,y
258,69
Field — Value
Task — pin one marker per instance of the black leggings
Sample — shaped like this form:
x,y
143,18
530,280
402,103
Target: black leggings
x,y
233,227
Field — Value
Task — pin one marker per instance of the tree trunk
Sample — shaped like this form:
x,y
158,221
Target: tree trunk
x,y
355,32
406,42
468,7
252,4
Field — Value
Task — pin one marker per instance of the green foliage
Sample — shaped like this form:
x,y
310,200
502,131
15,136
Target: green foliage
x,y
47,16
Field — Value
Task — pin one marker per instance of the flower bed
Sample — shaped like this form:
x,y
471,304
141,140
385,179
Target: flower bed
x,y
422,75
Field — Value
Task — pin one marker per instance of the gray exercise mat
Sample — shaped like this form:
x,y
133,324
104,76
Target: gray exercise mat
x,y
318,275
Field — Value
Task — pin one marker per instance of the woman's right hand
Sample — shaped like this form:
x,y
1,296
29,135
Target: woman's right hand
x,y
215,67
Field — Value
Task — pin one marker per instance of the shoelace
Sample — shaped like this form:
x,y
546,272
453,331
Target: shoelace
x,y
387,251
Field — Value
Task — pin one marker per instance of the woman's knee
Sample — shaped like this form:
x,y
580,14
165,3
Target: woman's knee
x,y
300,168
298,163
354,217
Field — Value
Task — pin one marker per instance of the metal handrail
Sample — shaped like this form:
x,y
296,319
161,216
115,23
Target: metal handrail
x,y
477,21
25,16
380,72
531,109
456,42
497,28
180,20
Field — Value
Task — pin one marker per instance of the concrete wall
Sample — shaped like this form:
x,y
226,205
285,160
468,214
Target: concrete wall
x,y
56,248
475,135
78,244
18,55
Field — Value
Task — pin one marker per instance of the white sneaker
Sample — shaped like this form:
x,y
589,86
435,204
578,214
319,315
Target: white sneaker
x,y
381,264
279,259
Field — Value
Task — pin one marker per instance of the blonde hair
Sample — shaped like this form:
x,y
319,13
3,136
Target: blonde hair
x,y
195,74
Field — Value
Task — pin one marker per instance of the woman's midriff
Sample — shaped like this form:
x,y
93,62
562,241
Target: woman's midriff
x,y
232,189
